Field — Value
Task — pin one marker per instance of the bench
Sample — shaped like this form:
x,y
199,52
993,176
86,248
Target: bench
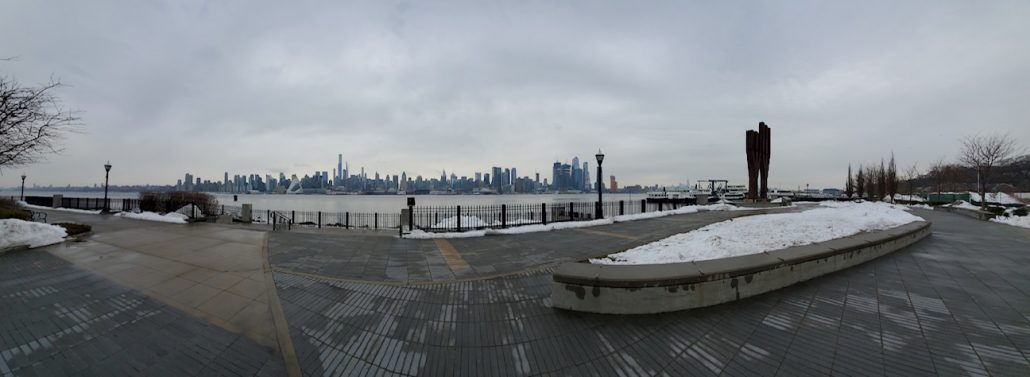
x,y
38,216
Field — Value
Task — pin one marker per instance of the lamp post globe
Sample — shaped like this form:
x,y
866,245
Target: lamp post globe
x,y
600,186
107,177
23,187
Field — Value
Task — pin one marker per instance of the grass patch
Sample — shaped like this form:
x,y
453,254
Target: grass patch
x,y
75,229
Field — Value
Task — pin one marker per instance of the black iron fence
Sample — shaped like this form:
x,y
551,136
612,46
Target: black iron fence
x,y
346,220
498,216
427,218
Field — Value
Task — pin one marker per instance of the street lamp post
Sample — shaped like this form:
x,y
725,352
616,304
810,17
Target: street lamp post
x,y
107,178
600,186
23,187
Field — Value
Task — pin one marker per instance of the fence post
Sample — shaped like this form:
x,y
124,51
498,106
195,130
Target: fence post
x,y
643,205
543,212
504,216
268,215
375,221
293,216
193,210
659,206
346,220
622,210
459,218
319,219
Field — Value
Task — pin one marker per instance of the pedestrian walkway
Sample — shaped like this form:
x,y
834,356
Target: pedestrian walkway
x,y
142,298
213,272
61,320
956,303
384,257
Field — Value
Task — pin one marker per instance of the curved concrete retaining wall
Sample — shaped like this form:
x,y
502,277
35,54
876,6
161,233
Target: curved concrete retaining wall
x,y
657,288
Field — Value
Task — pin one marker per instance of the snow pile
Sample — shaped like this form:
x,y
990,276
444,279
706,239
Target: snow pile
x,y
418,234
1020,221
921,206
173,217
909,198
72,210
756,234
995,197
466,222
963,204
14,232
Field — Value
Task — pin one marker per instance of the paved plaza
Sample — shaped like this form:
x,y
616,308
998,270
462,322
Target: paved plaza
x,y
325,303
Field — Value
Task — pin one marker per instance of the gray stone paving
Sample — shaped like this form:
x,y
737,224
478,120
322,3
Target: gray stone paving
x,y
385,257
59,320
957,303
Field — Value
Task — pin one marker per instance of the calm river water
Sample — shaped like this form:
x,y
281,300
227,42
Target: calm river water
x,y
360,203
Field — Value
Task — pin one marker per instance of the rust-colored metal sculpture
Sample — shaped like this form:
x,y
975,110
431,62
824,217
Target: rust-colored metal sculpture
x,y
759,147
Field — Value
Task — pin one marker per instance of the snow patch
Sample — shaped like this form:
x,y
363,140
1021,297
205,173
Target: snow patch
x,y
994,197
1020,221
72,210
173,217
14,232
760,233
962,204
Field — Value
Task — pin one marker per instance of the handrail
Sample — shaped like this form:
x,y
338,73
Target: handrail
x,y
279,220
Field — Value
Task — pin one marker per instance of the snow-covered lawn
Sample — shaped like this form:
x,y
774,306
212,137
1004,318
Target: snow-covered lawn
x,y
173,217
994,197
72,210
14,232
1020,221
467,220
963,204
909,198
760,233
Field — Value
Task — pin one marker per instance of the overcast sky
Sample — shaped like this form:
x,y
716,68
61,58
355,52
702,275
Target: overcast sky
x,y
665,89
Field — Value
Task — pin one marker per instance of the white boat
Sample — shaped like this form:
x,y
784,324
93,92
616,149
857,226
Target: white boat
x,y
671,197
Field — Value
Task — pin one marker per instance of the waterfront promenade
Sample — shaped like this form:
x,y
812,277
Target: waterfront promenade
x,y
956,303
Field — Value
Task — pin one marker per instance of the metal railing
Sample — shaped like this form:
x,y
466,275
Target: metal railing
x,y
498,216
280,221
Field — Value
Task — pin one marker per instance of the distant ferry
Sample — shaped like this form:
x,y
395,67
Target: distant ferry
x,y
679,197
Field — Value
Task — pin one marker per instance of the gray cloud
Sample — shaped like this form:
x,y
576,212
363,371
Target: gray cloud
x,y
666,89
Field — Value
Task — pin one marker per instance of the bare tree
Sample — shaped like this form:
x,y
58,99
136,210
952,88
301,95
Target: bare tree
x,y
911,175
892,178
982,153
881,182
860,183
849,186
32,123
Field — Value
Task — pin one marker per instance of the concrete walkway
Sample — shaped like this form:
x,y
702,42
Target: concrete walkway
x,y
212,272
956,303
143,298
384,257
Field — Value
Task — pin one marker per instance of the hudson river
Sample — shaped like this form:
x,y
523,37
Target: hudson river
x,y
359,203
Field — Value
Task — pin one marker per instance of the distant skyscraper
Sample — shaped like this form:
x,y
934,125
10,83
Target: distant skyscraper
x,y
614,186
555,173
225,183
339,168
586,176
497,179
514,176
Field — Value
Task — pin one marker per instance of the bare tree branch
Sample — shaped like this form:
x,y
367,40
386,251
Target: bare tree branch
x,y
32,123
981,153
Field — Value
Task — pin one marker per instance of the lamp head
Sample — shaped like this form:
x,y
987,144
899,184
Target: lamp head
x,y
600,157
107,166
